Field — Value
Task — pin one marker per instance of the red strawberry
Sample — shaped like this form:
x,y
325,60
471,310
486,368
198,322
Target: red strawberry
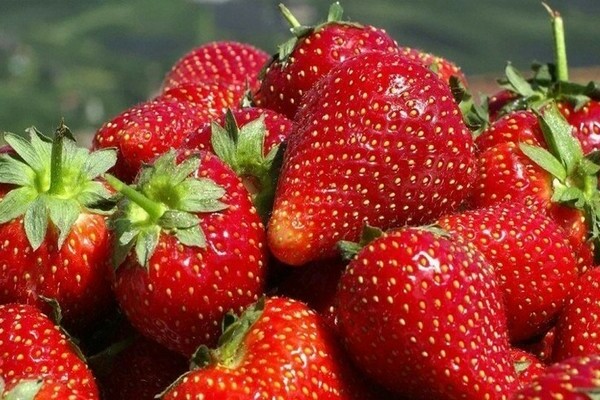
x,y
380,141
278,349
422,314
232,64
444,68
541,348
527,365
311,54
37,361
147,130
578,326
531,257
573,379
248,140
52,226
516,127
190,248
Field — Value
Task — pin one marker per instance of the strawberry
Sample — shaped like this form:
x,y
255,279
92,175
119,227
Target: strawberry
x,y
516,127
311,54
277,349
53,226
527,365
531,257
249,141
233,64
421,313
541,347
573,379
143,132
37,360
443,67
577,332
379,141
190,247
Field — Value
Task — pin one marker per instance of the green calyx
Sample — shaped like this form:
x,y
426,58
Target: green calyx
x,y
53,181
349,249
166,198
242,150
230,350
475,116
24,390
575,179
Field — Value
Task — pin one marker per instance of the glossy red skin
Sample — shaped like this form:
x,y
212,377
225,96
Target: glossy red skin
x,y
585,122
527,365
423,315
230,63
497,101
405,160
285,83
32,348
181,299
532,259
564,380
76,275
278,128
289,353
578,326
443,67
516,127
142,371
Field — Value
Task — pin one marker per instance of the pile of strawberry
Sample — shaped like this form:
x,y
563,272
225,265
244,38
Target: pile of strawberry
x,y
339,221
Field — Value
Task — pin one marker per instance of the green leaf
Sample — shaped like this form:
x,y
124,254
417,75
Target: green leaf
x,y
193,236
98,162
24,390
588,167
36,222
25,149
15,172
558,135
335,12
63,214
285,49
350,249
565,194
16,202
518,83
174,219
224,143
545,160
146,243
251,143
201,358
185,168
204,195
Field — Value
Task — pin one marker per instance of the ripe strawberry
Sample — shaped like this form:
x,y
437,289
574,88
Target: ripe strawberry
x,y
541,348
380,141
577,329
232,64
444,68
311,54
52,226
37,361
527,365
422,314
147,130
573,379
532,259
190,248
278,349
248,140
516,127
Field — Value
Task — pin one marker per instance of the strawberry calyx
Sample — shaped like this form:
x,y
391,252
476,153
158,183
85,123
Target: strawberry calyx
x,y
575,177
26,389
475,116
349,249
229,351
166,198
53,181
242,149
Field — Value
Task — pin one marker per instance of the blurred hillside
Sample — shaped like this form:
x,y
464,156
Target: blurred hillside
x,y
88,60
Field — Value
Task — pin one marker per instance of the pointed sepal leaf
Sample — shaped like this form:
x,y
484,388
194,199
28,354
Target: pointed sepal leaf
x,y
98,162
36,222
558,135
349,249
15,172
15,203
145,245
24,390
335,12
203,196
192,236
517,82
32,151
63,214
175,219
545,160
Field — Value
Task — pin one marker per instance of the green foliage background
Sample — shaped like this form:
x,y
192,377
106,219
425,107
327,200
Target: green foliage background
x,y
87,60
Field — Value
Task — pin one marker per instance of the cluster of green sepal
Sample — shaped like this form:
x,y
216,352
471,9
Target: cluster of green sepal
x,y
54,181
242,149
575,176
166,198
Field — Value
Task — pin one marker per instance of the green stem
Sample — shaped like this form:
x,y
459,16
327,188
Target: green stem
x,y
56,158
153,209
289,17
560,48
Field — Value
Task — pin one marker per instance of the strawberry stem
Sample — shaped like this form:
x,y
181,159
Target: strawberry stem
x,y
560,48
153,209
56,158
289,17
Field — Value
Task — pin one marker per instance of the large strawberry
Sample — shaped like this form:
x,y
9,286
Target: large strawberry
x,y
578,327
190,247
531,256
421,312
233,64
277,349
249,141
444,68
573,379
311,54
52,226
37,361
380,141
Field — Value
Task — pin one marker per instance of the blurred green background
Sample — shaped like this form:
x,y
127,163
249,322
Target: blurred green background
x,y
87,60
